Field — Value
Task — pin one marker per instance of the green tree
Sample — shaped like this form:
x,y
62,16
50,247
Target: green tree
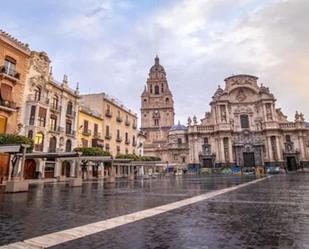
x,y
13,139
93,151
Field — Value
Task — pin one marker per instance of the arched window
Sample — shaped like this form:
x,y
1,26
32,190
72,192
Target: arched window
x,y
70,108
39,141
167,100
150,88
30,134
68,145
52,144
157,89
37,93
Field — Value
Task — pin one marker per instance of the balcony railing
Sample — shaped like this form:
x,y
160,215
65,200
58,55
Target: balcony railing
x,y
70,114
119,139
134,143
128,123
108,136
119,119
70,132
108,113
8,104
32,98
289,125
97,134
127,141
56,108
10,72
86,132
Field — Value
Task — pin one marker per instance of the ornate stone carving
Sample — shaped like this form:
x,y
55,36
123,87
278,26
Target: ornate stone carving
x,y
241,95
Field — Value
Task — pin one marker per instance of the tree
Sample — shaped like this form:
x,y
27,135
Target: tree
x,y
93,151
13,139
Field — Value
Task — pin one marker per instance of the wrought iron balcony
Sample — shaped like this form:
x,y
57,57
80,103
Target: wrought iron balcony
x,y
128,122
108,136
127,141
56,108
134,143
86,132
97,134
119,139
108,113
10,73
70,133
8,104
119,119
32,98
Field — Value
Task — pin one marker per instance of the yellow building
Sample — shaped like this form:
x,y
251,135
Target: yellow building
x,y
119,126
90,128
14,63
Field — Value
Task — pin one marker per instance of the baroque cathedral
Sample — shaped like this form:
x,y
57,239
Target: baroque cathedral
x,y
243,127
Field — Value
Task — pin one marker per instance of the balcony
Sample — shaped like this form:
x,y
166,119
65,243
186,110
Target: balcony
x,y
97,135
32,98
134,143
9,74
127,141
108,136
56,129
86,132
70,133
119,119
108,113
119,139
287,126
70,114
55,108
8,105
127,123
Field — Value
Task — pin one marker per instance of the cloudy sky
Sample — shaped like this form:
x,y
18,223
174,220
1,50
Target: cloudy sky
x,y
109,45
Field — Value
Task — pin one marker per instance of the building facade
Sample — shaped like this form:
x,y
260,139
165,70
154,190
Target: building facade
x,y
157,112
14,62
90,128
119,123
50,111
245,128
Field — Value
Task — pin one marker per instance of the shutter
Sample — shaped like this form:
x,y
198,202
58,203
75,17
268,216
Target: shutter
x,y
6,92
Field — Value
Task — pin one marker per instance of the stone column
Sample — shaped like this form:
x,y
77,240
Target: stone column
x,y
270,152
43,167
102,170
301,147
221,144
10,167
72,168
279,151
231,150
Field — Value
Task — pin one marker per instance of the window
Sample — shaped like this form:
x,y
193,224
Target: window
x,y
84,142
118,134
39,141
107,147
205,140
6,92
107,130
288,138
30,134
68,127
32,115
167,100
52,144
55,102
68,145
127,151
42,117
70,108
145,100
85,126
150,88
126,136
133,140
37,93
223,113
53,123
10,66
179,141
157,90
244,121
118,149
95,129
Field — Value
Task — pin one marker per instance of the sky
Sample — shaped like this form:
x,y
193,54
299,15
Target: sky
x,y
110,45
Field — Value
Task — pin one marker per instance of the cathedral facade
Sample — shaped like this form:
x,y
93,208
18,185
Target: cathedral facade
x,y
243,127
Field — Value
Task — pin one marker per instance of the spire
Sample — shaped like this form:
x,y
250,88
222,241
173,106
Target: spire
x,y
156,60
77,88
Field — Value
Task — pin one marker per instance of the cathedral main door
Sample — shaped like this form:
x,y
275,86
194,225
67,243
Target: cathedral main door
x,y
249,159
291,163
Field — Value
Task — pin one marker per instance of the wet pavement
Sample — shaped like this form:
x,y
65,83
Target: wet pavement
x,y
273,213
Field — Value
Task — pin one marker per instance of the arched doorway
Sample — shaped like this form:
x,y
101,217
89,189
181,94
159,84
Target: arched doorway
x,y
30,169
68,145
66,166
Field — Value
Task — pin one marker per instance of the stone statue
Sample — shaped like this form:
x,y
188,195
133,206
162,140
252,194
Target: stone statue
x,y
194,120
301,117
189,121
296,116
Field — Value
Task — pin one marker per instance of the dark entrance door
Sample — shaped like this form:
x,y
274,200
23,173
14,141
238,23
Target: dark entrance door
x,y
207,163
66,169
291,163
30,168
249,159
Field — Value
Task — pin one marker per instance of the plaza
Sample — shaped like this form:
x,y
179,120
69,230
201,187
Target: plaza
x,y
190,211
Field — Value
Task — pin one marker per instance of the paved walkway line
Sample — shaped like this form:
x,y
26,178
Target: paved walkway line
x,y
63,236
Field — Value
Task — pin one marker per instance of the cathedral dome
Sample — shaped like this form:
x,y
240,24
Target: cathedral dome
x,y
178,127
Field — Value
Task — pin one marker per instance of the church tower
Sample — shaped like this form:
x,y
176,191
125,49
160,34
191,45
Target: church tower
x,y
157,108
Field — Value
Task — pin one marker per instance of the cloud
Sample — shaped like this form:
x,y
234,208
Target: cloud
x,y
110,45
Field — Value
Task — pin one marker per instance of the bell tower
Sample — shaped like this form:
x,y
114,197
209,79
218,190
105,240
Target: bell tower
x,y
157,106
